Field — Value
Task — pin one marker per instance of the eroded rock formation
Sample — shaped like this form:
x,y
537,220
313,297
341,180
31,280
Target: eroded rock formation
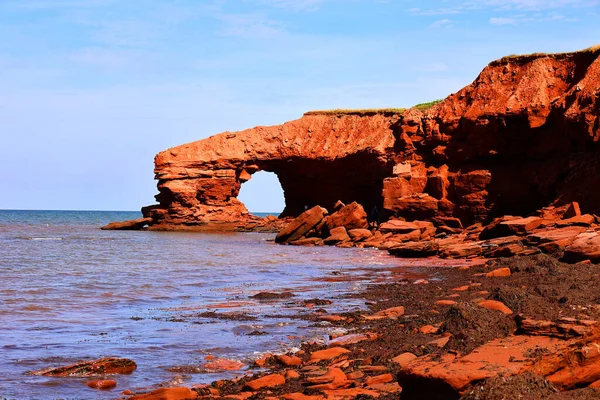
x,y
522,136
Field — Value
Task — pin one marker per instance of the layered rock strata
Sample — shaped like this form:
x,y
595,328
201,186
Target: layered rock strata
x,y
522,136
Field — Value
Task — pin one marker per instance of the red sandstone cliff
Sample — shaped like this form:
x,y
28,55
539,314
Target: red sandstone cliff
x,y
522,136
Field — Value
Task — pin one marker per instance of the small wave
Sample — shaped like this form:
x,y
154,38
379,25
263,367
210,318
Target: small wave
x,y
44,238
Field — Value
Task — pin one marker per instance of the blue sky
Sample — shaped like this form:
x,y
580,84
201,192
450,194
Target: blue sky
x,y
91,90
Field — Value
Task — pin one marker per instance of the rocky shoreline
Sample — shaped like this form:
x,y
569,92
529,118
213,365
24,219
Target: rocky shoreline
x,y
521,327
563,232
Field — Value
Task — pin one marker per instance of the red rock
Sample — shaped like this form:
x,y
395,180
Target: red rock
x,y
221,364
104,384
397,226
415,206
573,210
174,393
445,303
552,235
385,378
132,225
359,235
440,342
495,305
291,374
267,381
428,329
102,366
300,396
386,387
581,220
404,359
522,225
344,394
332,318
500,272
337,235
508,356
333,379
352,216
595,385
563,328
391,313
262,361
574,366
517,226
585,247
301,225
355,375
461,288
351,339
289,361
461,250
312,241
327,354
414,249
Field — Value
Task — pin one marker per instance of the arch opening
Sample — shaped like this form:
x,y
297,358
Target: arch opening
x,y
262,194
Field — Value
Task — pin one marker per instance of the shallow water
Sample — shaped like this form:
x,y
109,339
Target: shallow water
x,y
71,291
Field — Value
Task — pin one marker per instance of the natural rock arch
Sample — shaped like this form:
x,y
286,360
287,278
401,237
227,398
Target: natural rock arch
x,y
319,159
262,193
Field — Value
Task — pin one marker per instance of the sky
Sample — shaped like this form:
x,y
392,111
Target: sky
x,y
91,90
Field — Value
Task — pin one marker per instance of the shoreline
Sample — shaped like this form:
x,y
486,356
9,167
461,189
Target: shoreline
x,y
381,353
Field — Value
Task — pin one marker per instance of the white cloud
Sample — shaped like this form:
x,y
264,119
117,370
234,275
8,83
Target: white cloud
x,y
127,33
537,4
111,59
249,26
498,5
435,11
442,23
503,21
294,5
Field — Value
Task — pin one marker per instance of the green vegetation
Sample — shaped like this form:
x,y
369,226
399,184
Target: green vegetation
x,y
533,56
360,112
426,106
374,111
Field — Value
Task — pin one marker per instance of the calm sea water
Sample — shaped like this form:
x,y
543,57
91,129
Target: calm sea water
x,y
71,291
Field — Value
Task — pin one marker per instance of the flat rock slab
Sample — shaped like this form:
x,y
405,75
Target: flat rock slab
x,y
585,247
131,225
301,225
102,366
449,376
397,226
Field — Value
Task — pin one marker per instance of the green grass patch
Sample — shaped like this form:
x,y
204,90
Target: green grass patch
x,y
533,56
364,112
426,106
359,112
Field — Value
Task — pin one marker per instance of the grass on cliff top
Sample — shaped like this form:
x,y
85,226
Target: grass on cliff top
x,y
427,106
361,112
373,111
533,56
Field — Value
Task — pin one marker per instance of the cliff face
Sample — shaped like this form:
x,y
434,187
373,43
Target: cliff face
x,y
522,136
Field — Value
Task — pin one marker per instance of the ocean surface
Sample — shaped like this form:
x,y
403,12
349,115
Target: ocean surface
x,y
166,300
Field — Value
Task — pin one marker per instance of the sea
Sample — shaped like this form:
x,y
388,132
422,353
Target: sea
x,y
167,300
